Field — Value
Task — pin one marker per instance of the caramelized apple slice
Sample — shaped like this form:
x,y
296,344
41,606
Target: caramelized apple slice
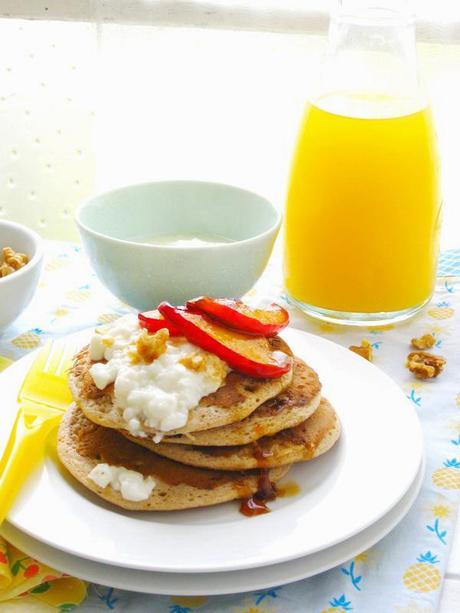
x,y
237,315
247,354
153,321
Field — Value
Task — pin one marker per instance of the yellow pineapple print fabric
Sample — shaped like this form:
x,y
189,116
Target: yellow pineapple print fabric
x,y
25,579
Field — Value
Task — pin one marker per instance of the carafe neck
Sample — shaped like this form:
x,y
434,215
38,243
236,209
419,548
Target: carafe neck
x,y
371,52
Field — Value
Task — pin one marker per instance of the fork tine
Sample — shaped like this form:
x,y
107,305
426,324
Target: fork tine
x,y
67,358
38,364
43,355
55,358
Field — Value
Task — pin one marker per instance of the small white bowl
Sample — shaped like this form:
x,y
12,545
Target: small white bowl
x,y
114,225
18,288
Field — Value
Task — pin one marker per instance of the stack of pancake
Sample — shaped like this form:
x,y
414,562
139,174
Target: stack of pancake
x,y
248,429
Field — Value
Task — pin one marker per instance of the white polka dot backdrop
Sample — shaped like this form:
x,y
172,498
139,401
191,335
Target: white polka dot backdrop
x,y
46,116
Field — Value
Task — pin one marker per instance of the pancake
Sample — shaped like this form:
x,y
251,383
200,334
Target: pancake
x,y
237,398
290,408
308,440
82,445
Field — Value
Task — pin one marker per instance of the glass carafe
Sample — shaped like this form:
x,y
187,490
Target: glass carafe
x,y
363,207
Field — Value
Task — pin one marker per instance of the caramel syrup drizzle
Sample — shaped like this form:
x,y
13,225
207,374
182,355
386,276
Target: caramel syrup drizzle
x,y
266,492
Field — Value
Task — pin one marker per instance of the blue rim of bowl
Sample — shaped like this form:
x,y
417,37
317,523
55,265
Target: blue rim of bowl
x,y
36,258
273,228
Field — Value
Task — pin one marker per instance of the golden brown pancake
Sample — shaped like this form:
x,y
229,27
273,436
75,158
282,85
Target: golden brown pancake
x,y
290,408
308,440
237,398
82,445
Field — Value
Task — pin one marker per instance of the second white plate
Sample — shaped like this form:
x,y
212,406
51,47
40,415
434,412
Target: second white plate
x,y
200,584
342,492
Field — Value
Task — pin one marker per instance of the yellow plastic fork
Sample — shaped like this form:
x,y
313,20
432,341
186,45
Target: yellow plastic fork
x,y
43,398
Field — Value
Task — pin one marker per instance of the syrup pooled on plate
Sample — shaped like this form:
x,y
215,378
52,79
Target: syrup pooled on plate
x,y
253,506
267,491
288,489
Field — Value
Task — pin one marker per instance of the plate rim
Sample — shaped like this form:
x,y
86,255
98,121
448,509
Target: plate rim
x,y
389,524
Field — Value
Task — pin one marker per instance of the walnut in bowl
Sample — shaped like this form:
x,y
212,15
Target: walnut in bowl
x,y
18,277
12,260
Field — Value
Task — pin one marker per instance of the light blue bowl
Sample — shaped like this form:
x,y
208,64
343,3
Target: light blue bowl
x,y
113,226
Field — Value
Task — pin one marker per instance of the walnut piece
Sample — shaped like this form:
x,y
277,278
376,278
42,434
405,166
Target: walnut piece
x,y
12,261
425,365
5,269
423,342
149,347
364,350
207,363
194,361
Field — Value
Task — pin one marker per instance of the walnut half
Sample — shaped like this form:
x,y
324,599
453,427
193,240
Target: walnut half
x,y
425,365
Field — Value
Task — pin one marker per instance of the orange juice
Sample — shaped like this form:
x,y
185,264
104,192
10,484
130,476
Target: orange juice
x,y
363,208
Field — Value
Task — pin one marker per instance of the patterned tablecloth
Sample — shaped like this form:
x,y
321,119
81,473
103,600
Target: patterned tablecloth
x,y
404,572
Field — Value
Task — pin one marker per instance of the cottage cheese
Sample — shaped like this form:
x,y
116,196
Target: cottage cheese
x,y
131,484
157,395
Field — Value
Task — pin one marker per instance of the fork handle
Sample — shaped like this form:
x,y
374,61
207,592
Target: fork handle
x,y
25,451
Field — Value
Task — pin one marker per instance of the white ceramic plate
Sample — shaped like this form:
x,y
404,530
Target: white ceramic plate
x,y
342,492
199,584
